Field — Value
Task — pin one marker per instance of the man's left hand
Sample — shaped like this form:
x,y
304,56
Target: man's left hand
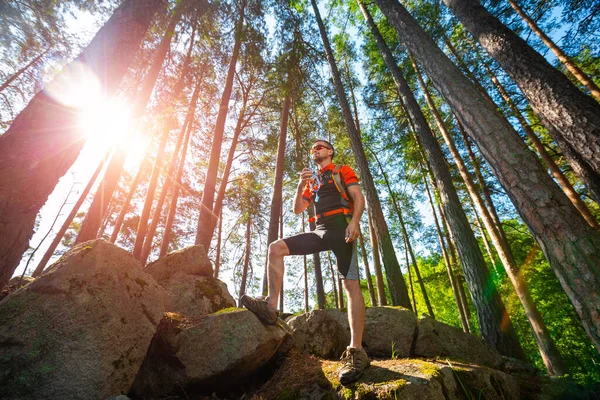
x,y
352,231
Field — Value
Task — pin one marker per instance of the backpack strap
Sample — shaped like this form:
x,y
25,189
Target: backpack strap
x,y
338,180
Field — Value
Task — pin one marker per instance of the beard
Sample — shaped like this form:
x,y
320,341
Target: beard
x,y
318,159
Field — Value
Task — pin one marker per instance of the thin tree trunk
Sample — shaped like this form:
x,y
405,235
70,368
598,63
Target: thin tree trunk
x,y
23,69
276,199
573,115
410,280
495,324
335,292
363,252
396,283
562,57
341,291
461,311
65,226
317,266
281,237
405,237
306,307
247,252
569,243
382,300
207,217
218,255
127,202
164,247
168,178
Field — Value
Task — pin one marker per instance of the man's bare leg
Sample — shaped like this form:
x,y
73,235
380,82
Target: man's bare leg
x,y
356,312
275,269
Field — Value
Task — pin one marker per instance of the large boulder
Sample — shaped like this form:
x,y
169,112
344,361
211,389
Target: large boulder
x,y
187,277
305,377
206,352
319,334
388,330
82,329
436,339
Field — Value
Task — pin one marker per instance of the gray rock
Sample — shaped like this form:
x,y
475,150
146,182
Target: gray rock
x,y
436,339
187,277
387,329
319,334
82,329
215,350
190,261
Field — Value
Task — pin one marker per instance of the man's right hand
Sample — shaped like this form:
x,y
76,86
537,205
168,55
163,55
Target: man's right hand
x,y
305,176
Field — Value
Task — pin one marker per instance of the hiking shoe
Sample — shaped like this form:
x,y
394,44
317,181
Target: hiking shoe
x,y
355,361
261,309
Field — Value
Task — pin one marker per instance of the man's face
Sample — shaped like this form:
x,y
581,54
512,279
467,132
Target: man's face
x,y
320,152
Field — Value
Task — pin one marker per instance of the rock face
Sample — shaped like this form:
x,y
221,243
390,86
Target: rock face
x,y
319,334
435,339
208,351
387,330
82,329
187,277
304,377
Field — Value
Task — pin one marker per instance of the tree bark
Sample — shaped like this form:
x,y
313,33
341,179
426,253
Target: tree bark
x,y
333,279
317,265
363,253
569,243
410,280
381,299
218,255
562,57
495,324
573,115
44,140
207,217
276,199
396,283
247,252
306,306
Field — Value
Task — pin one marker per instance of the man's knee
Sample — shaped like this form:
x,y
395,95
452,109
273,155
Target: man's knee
x,y
352,286
278,249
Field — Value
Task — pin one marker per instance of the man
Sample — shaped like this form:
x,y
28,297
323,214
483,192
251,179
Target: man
x,y
337,228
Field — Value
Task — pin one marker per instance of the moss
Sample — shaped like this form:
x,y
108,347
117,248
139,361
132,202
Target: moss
x,y
426,367
347,393
207,287
228,310
289,394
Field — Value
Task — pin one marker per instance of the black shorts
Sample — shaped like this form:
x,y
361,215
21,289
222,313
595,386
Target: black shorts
x,y
330,235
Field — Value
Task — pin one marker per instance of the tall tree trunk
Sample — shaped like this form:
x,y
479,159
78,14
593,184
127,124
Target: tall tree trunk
x,y
97,210
317,266
495,324
23,69
281,237
538,145
207,217
573,115
168,178
397,286
125,206
44,140
363,253
410,280
569,243
333,279
306,306
218,255
65,226
381,299
405,236
562,57
461,311
164,246
276,199
247,252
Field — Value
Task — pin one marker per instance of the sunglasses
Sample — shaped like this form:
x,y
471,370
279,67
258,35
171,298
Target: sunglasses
x,y
319,147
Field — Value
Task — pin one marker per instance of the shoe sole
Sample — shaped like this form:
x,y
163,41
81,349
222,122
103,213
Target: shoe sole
x,y
260,313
